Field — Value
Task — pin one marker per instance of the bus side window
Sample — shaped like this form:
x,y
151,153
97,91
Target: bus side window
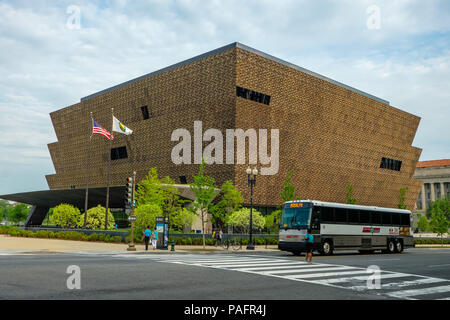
x,y
315,218
327,215
396,219
405,220
364,217
341,215
353,216
376,217
386,218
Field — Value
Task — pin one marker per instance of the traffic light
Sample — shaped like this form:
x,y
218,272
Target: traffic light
x,y
129,191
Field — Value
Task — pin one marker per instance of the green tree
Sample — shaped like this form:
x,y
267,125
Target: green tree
x,y
441,204
423,224
273,221
146,216
439,222
182,219
240,220
288,193
204,189
18,213
4,208
95,219
402,198
65,216
150,190
349,193
231,200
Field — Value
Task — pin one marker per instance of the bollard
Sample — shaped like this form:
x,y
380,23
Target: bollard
x,y
172,245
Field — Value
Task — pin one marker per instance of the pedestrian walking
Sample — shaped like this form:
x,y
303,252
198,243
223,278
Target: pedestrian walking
x,y
216,237
309,238
147,235
220,236
154,238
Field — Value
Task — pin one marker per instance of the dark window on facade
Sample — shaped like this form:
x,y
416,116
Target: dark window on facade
x,y
353,216
253,95
386,218
145,113
375,217
327,214
396,218
391,164
183,180
119,153
405,220
364,216
340,215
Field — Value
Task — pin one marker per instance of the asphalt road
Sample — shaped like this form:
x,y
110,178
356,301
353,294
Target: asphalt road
x,y
231,276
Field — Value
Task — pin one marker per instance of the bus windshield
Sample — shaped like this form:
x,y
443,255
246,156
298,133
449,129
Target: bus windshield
x,y
296,218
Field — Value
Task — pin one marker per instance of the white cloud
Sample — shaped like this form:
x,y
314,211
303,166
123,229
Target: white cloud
x,y
45,66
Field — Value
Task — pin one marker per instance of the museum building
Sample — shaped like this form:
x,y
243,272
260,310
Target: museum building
x,y
328,133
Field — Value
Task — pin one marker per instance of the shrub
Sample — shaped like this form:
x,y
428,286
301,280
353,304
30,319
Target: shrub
x,y
96,237
95,219
115,239
44,234
65,215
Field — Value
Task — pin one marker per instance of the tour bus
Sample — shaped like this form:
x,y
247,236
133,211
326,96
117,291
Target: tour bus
x,y
337,226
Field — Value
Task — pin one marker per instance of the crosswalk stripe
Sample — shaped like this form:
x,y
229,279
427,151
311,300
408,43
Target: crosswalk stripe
x,y
308,270
284,266
407,283
345,277
244,264
362,278
324,274
418,292
218,261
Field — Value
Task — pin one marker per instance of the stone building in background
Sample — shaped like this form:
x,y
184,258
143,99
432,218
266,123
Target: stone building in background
x,y
435,175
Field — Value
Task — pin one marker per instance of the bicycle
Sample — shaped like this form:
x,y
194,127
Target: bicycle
x,y
234,243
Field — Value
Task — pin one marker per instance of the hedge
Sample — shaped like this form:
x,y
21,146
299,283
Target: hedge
x,y
431,241
64,235
99,237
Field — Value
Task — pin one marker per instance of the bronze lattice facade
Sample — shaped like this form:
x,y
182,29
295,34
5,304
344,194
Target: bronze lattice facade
x,y
329,133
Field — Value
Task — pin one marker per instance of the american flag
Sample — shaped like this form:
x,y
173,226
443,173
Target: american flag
x,y
98,129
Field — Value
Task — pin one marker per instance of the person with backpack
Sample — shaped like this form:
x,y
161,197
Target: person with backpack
x,y
147,236
154,238
309,238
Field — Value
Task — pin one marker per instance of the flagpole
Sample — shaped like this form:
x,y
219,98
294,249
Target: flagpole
x,y
87,175
109,169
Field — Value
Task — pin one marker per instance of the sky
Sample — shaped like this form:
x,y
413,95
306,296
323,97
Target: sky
x,y
52,53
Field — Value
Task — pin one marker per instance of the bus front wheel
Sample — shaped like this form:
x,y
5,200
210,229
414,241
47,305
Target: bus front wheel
x,y
326,248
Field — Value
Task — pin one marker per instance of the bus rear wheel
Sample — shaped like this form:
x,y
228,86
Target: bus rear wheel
x,y
326,248
398,246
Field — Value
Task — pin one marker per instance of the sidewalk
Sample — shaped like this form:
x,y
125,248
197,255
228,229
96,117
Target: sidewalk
x,y
32,245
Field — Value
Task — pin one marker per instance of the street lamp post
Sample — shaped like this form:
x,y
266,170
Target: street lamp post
x,y
131,246
251,183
